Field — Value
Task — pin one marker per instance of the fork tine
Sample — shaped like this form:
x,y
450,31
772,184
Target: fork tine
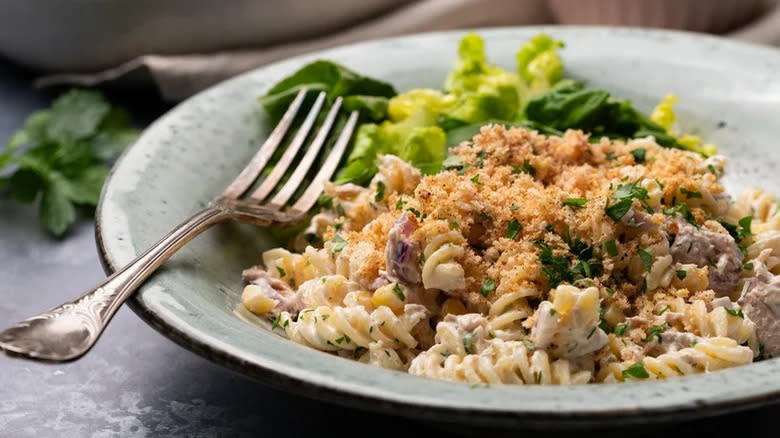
x,y
260,159
305,164
289,154
311,194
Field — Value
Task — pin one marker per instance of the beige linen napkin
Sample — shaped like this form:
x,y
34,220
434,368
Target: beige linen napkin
x,y
177,77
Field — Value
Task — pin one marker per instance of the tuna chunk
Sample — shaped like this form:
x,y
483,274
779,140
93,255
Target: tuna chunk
x,y
670,341
401,253
760,302
707,248
275,289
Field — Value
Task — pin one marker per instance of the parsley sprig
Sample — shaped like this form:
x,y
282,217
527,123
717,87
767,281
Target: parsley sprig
x,y
625,196
59,157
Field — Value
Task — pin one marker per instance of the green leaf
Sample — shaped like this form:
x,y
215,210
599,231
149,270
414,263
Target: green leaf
x,y
611,247
56,211
25,185
372,107
488,285
84,188
35,126
647,259
619,209
538,61
76,115
636,371
575,202
639,155
513,229
334,79
399,292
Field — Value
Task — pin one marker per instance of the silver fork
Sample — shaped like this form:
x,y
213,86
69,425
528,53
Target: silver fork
x,y
68,331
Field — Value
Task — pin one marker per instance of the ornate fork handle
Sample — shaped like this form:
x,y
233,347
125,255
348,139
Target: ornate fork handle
x,y
68,331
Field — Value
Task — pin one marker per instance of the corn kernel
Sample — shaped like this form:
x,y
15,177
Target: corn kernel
x,y
453,306
386,296
255,300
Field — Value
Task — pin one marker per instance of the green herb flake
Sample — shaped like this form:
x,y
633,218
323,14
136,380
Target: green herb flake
x,y
513,207
454,225
400,204
619,209
610,156
639,155
575,202
398,292
467,342
620,329
525,168
636,371
340,244
340,210
513,229
663,310
380,191
488,285
748,266
690,194
647,259
276,322
590,335
712,170
655,332
416,213
681,274
611,247
610,290
475,179
738,313
281,271
553,311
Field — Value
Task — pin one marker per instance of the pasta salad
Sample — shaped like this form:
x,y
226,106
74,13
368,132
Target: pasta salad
x,y
535,253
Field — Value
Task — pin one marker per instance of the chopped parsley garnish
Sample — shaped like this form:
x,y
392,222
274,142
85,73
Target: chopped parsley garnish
x,y
663,310
398,292
741,231
340,243
488,285
281,271
475,179
338,225
655,332
737,313
603,325
539,378
690,247
639,155
400,204
690,193
590,335
414,212
683,210
681,274
525,168
636,371
575,202
422,257
549,228
513,228
610,290
620,329
611,247
454,225
480,159
553,312
660,185
380,191
555,267
276,321
462,171
467,343
513,207
712,169
647,259
748,266
340,210
610,156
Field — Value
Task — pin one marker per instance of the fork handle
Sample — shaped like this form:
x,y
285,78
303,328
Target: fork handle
x,y
68,331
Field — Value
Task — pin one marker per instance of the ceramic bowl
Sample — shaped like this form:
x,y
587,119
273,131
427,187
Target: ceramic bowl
x,y
728,93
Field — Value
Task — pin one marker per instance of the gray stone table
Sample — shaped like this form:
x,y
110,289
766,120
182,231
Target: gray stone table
x,y
136,382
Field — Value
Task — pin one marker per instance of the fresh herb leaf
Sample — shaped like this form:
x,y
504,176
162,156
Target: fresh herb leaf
x,y
454,225
712,170
398,292
475,179
619,209
380,191
683,210
281,271
513,207
639,155
513,228
647,259
663,310
575,202
748,266
340,243
681,274
488,285
655,332
636,371
737,313
611,247
620,328
525,168
689,193
468,342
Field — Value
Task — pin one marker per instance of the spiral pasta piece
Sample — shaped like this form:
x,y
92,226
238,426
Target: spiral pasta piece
x,y
503,362
347,328
441,269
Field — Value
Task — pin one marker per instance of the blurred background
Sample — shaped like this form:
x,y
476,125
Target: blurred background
x,y
178,47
